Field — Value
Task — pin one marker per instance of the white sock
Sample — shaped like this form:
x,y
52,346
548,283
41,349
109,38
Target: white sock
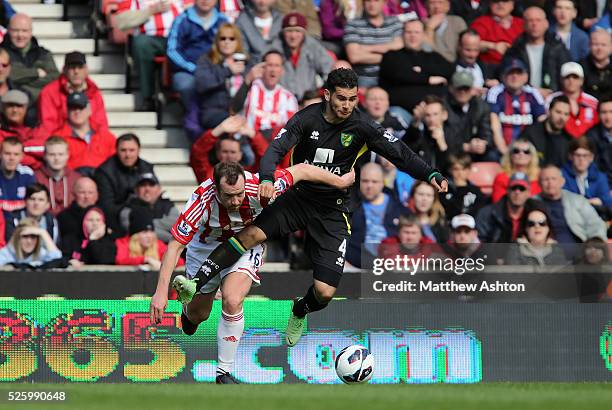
x,y
229,333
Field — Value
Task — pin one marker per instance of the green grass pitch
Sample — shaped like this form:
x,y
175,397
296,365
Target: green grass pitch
x,y
490,396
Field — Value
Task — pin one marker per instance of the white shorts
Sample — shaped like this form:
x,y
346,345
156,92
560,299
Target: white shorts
x,y
249,264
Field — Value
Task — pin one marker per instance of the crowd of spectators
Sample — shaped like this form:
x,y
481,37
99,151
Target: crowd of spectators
x,y
527,85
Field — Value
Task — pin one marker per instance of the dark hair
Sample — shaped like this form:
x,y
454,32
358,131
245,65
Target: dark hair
x,y
231,171
531,206
12,141
571,1
598,243
434,99
558,99
578,143
273,51
604,100
36,188
341,77
127,137
467,31
310,95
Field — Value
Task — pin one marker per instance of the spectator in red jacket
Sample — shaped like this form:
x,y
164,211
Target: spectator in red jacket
x,y
141,246
89,147
56,176
52,106
12,124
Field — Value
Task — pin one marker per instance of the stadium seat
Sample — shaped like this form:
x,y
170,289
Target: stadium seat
x,y
482,175
163,87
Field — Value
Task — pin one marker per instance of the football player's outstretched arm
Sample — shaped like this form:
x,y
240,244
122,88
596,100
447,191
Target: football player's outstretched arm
x,y
160,298
307,172
387,145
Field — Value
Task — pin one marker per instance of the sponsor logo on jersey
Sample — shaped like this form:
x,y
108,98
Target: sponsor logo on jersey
x,y
346,139
389,136
280,133
314,135
324,155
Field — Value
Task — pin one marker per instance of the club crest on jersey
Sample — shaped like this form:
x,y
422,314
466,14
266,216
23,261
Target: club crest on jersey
x,y
346,139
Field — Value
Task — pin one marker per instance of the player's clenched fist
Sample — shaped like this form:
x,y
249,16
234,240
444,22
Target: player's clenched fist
x,y
159,301
266,192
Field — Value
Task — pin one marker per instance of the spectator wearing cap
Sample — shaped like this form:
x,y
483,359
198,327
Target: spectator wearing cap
x,y
13,124
576,41
549,135
583,106
375,218
89,147
465,198
500,221
14,177
601,138
367,39
423,73
521,157
118,175
471,116
308,9
55,174
305,57
37,207
514,105
33,66
52,102
224,143
152,21
442,30
192,35
148,198
598,67
497,31
85,193
582,176
468,52
573,218
543,53
141,246
463,241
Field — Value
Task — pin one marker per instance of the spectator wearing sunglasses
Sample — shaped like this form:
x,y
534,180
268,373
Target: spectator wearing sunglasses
x,y
521,157
536,245
29,244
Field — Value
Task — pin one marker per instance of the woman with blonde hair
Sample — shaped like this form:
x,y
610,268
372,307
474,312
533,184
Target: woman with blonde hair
x,y
29,245
218,76
520,157
424,203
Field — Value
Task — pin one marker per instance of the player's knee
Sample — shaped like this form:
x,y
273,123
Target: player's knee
x,y
325,293
251,236
232,304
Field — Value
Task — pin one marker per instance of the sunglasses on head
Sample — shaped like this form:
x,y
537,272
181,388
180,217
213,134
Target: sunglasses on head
x,y
531,223
518,151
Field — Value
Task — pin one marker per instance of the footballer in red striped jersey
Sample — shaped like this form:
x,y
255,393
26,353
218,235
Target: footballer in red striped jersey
x,y
218,209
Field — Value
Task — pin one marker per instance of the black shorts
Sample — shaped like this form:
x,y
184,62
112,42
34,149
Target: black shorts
x,y
328,231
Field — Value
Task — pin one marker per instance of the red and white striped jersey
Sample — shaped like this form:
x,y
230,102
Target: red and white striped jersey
x,y
231,9
205,216
266,109
159,24
579,123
